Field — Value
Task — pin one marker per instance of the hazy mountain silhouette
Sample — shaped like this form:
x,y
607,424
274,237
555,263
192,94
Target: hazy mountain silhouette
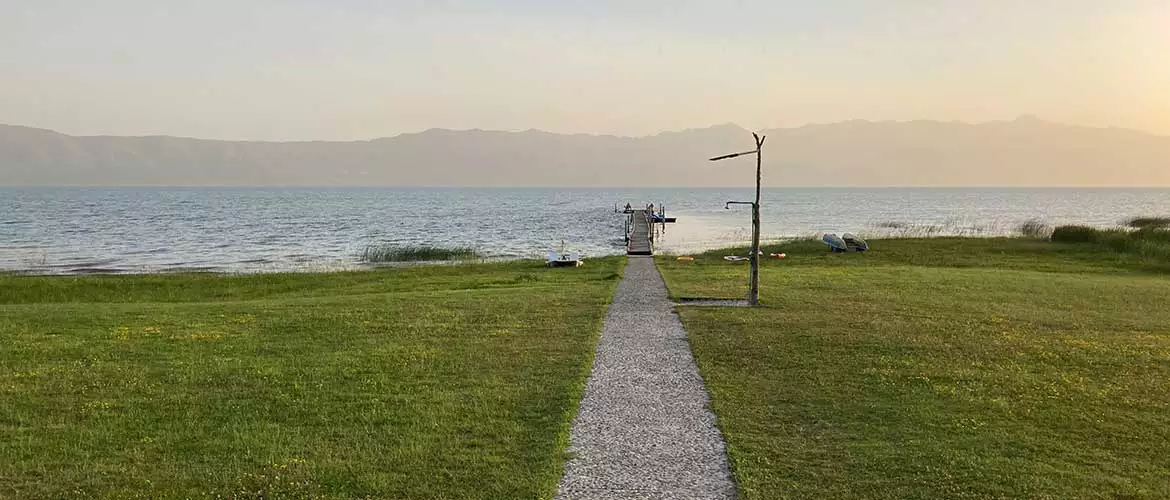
x,y
1023,152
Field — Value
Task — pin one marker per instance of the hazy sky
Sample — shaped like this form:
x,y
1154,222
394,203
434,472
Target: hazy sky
x,y
352,69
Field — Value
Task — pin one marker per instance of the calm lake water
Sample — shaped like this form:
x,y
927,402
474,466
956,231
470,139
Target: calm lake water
x,y
81,230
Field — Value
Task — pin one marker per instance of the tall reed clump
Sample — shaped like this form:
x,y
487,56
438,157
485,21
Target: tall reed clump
x,y
1036,229
416,253
1149,240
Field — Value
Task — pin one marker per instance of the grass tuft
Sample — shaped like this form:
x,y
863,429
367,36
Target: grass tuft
x,y
1037,229
419,253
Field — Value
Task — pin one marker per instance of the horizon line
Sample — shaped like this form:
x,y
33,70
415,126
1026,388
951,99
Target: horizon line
x,y
1023,118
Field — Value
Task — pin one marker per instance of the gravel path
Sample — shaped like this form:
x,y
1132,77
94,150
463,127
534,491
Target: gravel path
x,y
644,429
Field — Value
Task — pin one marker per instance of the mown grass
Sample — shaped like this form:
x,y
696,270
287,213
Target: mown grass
x,y
416,253
429,382
939,368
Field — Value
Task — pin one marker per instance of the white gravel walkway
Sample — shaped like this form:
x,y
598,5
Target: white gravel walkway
x,y
644,429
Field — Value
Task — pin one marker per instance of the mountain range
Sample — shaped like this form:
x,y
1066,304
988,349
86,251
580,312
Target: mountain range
x,y
1024,152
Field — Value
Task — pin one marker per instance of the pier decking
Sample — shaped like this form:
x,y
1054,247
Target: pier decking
x,y
639,236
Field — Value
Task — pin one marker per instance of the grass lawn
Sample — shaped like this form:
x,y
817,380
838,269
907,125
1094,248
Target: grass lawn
x,y
940,368
428,382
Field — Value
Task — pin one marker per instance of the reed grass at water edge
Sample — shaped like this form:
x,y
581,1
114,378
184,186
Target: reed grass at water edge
x,y
420,253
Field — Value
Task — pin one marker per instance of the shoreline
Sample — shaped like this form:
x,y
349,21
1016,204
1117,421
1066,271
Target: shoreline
x,y
897,233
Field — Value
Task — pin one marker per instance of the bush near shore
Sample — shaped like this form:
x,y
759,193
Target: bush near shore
x,y
1148,239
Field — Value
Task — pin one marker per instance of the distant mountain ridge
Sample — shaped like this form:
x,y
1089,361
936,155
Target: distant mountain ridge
x,y
1023,152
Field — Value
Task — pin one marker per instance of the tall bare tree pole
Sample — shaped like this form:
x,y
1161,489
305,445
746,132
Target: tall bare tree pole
x,y
754,290
754,259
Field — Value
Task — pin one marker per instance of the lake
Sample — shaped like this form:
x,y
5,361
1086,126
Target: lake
x,y
87,230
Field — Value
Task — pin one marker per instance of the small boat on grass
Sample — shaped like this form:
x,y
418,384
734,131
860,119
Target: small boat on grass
x,y
845,243
835,243
854,242
556,259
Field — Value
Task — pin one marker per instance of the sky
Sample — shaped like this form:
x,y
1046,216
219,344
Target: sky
x,y
359,69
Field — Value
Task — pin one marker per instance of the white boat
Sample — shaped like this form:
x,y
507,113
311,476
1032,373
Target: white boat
x,y
854,242
564,259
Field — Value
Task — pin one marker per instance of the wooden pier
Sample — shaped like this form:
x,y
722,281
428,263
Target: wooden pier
x,y
639,233
643,225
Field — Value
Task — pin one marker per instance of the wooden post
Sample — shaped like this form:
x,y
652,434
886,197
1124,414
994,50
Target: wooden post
x,y
754,258
754,287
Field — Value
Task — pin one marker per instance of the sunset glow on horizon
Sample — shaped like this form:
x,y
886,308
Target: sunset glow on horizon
x,y
356,69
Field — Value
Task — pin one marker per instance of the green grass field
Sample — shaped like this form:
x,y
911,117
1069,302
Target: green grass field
x,y
426,382
942,368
